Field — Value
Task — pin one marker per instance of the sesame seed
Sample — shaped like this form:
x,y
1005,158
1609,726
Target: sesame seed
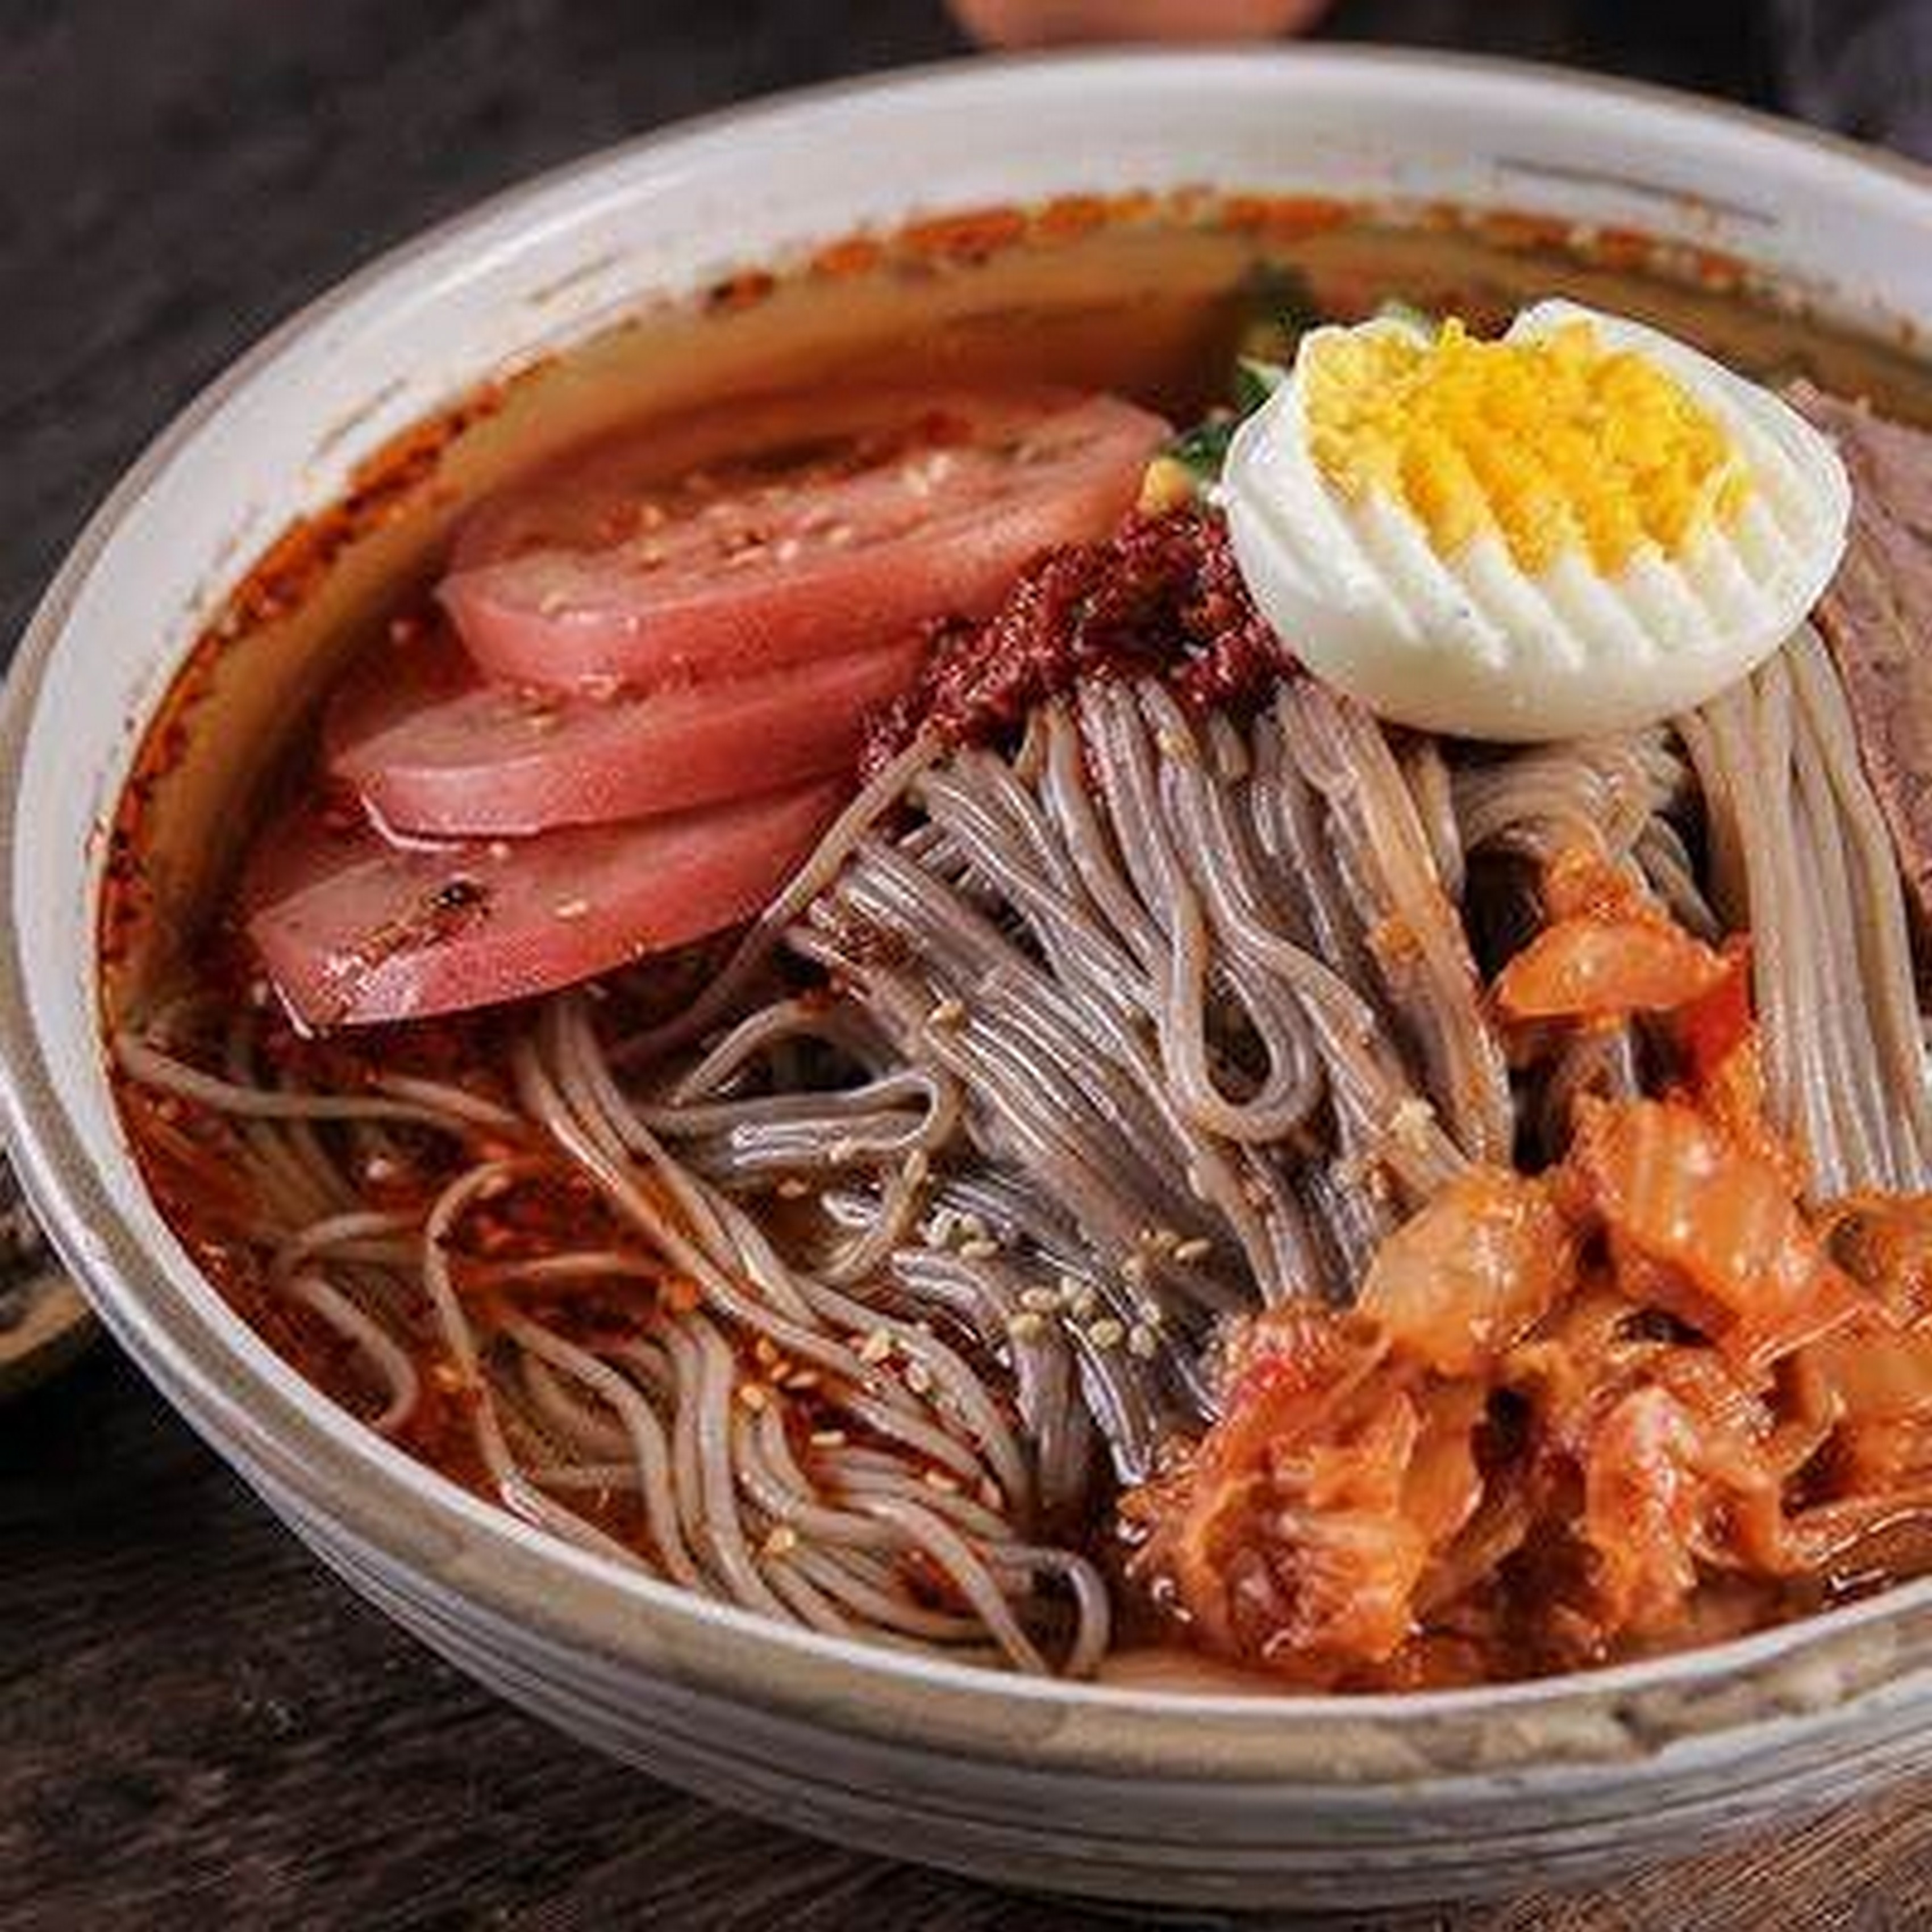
x,y
1176,746
1026,1326
572,908
755,1396
1134,1270
926,473
827,1438
949,1012
918,1377
1040,1300
876,1347
1197,1250
973,1228
938,1479
1107,1332
978,1250
1085,1304
842,1152
990,1494
765,1349
802,1380
1142,1342
792,1188
782,1541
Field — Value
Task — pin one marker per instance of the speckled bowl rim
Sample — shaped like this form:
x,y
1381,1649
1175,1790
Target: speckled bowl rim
x,y
280,1434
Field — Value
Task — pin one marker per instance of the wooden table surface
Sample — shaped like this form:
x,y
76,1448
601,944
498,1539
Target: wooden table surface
x,y
198,1727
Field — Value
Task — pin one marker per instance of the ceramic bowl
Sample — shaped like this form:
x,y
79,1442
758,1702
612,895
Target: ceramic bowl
x,y
1191,1800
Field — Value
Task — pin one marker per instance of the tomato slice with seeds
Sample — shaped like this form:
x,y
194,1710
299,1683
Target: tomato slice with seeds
x,y
432,747
843,523
353,927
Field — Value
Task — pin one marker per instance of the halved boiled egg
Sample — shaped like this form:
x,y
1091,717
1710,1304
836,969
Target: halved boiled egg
x,y
1581,526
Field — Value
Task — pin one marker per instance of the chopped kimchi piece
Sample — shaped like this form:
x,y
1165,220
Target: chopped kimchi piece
x,y
1731,1250
1672,1489
1297,1533
1609,951
1605,969
1885,1242
1455,1285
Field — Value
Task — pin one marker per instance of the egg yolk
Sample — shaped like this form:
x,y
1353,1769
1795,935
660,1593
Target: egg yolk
x,y
1554,443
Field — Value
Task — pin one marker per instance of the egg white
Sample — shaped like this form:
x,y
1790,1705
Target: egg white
x,y
1474,646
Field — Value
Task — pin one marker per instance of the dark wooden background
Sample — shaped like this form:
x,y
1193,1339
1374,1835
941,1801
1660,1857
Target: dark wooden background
x,y
197,1726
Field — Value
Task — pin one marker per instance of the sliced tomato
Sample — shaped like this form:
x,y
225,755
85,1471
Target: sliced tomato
x,y
432,747
353,928
842,523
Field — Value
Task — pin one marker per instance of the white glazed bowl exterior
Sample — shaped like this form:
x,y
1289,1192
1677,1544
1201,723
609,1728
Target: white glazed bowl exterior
x,y
1189,1800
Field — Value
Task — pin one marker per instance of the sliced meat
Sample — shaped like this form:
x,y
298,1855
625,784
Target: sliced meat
x,y
1876,617
843,521
432,747
353,928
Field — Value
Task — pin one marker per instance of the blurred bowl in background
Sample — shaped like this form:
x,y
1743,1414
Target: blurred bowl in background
x,y
1035,23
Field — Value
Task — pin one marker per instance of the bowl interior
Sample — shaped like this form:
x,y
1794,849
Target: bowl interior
x,y
342,446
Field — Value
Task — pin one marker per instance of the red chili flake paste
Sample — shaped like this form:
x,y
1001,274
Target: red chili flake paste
x,y
1162,596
